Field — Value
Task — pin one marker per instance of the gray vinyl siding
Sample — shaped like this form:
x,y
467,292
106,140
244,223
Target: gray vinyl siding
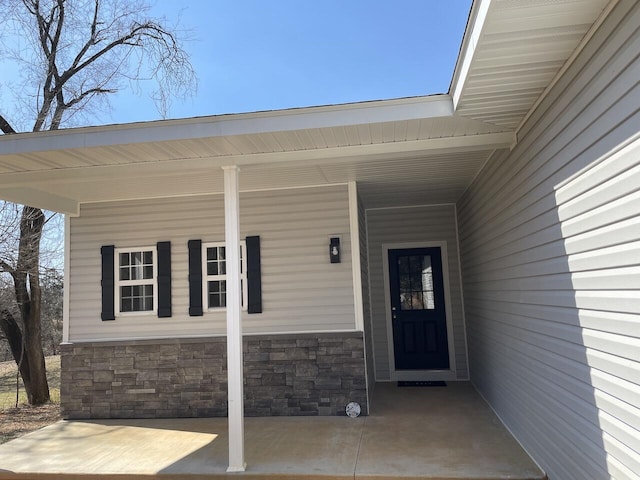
x,y
302,291
410,225
366,306
550,249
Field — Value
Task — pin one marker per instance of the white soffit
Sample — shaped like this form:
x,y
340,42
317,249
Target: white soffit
x,y
512,51
403,141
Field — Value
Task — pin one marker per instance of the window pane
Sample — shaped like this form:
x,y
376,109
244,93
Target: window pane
x,y
415,272
429,301
405,301
124,273
417,303
212,268
214,300
148,257
223,267
125,305
217,300
136,298
427,273
124,259
403,265
148,271
148,303
415,282
222,253
136,272
217,293
136,258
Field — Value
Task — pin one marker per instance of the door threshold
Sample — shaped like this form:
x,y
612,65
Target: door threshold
x,y
422,383
423,376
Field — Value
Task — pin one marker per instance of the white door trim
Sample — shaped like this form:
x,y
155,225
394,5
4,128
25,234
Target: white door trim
x,y
448,374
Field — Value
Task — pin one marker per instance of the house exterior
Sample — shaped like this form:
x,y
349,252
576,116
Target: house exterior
x,y
282,263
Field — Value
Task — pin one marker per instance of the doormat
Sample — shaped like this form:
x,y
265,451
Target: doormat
x,y
437,383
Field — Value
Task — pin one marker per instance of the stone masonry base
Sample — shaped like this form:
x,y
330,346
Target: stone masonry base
x,y
309,374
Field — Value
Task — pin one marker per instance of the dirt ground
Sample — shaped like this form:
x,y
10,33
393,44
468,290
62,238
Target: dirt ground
x,y
15,422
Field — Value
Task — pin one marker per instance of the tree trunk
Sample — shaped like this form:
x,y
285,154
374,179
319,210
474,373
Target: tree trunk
x,y
26,279
12,331
37,386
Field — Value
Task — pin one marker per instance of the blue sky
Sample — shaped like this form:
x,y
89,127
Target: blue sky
x,y
253,55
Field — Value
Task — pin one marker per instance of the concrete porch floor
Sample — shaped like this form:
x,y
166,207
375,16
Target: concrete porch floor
x,y
412,433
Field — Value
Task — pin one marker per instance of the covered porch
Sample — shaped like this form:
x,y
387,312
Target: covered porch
x,y
412,432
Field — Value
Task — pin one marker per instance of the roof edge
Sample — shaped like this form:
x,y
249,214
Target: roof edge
x,y
378,111
472,34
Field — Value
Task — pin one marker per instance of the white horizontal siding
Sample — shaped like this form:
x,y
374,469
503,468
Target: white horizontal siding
x,y
414,224
550,248
301,290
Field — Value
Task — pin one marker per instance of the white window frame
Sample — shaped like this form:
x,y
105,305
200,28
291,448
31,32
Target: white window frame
x,y
124,283
207,278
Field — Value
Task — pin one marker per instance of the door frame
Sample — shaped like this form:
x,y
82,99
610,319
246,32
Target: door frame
x,y
399,375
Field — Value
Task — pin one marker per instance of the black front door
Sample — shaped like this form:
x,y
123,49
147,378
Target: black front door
x,y
417,309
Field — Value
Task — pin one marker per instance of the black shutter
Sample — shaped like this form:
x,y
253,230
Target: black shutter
x,y
164,279
254,280
195,277
107,283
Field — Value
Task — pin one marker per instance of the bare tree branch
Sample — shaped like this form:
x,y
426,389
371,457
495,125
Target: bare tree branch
x,y
5,267
5,126
81,51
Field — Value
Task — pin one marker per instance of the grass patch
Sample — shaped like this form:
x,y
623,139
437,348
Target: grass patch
x,y
15,422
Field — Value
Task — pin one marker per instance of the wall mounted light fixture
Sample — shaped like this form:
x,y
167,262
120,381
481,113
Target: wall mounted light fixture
x,y
334,249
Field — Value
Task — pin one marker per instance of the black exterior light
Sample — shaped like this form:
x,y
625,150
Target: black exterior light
x,y
334,249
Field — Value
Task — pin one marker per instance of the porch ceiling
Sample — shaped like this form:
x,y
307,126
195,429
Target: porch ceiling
x,y
411,151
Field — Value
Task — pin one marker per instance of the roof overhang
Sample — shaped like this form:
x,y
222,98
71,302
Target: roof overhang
x,y
409,151
513,51
374,142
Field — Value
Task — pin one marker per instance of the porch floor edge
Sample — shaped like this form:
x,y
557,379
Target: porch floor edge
x,y
430,433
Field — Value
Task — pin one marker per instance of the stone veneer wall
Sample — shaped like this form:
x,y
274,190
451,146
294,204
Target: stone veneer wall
x,y
310,374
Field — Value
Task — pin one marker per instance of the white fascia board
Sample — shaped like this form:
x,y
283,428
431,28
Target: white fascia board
x,y
229,125
325,156
475,28
39,199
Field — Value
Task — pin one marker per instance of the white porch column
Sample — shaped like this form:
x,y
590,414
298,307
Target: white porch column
x,y
234,315
67,278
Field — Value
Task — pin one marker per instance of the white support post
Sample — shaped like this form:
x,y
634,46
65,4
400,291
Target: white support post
x,y
356,272
67,278
234,315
